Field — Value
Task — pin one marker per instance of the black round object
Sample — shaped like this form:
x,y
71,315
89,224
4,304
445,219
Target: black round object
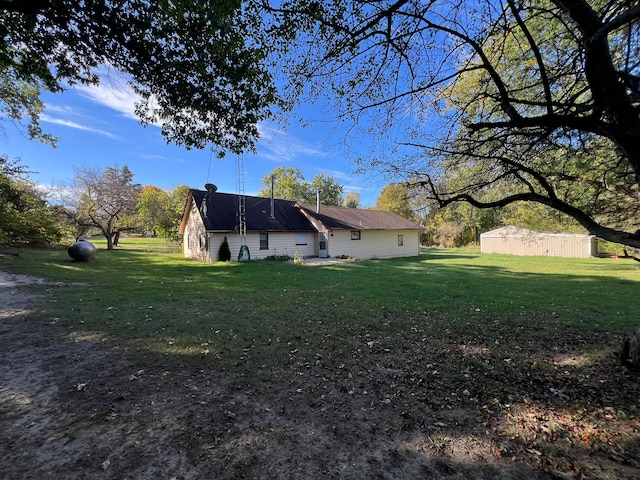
x,y
82,251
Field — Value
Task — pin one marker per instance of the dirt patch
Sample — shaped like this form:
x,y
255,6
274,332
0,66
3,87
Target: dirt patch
x,y
83,407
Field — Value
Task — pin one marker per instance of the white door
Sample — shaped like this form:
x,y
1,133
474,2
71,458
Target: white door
x,y
322,245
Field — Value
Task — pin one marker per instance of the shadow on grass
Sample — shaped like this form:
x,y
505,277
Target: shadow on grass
x,y
131,292
410,368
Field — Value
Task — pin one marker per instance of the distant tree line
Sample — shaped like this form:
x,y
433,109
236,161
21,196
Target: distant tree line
x,y
289,184
107,202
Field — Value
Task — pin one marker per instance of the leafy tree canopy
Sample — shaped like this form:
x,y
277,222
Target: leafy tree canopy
x,y
25,216
160,210
106,199
537,100
352,200
20,103
328,188
397,198
189,60
289,183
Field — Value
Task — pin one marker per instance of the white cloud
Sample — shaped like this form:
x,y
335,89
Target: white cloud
x,y
76,125
279,146
337,174
115,95
63,109
113,92
150,156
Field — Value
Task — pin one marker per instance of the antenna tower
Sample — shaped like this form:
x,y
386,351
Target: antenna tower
x,y
242,220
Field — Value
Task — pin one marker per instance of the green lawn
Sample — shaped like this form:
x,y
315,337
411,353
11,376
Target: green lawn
x,y
520,350
241,315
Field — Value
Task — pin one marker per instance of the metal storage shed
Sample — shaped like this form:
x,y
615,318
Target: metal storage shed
x,y
519,241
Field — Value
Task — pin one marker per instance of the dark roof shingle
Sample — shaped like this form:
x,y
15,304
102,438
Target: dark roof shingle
x,y
341,218
219,212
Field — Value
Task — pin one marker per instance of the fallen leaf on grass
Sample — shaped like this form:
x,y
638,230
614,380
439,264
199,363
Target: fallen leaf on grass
x,y
558,393
135,376
561,475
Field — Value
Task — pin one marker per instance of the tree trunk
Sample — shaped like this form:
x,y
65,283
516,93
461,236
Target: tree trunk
x,y
109,236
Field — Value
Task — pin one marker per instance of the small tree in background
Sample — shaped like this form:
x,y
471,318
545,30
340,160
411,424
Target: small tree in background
x,y
108,199
159,211
397,198
224,254
289,183
351,200
330,190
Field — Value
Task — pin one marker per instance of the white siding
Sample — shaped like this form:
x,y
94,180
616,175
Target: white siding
x,y
374,244
280,243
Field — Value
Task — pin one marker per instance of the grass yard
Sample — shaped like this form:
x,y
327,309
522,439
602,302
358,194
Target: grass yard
x,y
173,305
492,364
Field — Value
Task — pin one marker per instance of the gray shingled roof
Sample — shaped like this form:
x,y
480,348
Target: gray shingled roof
x,y
341,218
219,212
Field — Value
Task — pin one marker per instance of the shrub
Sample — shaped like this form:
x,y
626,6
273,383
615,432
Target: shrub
x,y
224,254
277,258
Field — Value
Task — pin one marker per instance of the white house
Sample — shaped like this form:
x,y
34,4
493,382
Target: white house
x,y
283,227
363,234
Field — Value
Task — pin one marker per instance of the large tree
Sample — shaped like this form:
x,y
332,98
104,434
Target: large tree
x,y
289,183
107,199
328,189
189,60
25,216
351,200
160,210
397,198
539,99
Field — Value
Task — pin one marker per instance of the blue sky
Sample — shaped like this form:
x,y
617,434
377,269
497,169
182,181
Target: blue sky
x,y
96,127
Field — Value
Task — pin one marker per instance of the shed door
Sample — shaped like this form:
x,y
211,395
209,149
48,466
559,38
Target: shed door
x,y
322,245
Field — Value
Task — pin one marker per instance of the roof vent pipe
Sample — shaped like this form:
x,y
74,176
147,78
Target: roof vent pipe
x,y
273,202
211,189
318,201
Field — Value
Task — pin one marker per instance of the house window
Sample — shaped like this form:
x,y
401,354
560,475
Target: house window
x,y
301,238
203,242
355,234
400,240
264,241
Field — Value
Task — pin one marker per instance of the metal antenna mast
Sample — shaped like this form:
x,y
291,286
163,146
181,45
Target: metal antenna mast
x,y
242,220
